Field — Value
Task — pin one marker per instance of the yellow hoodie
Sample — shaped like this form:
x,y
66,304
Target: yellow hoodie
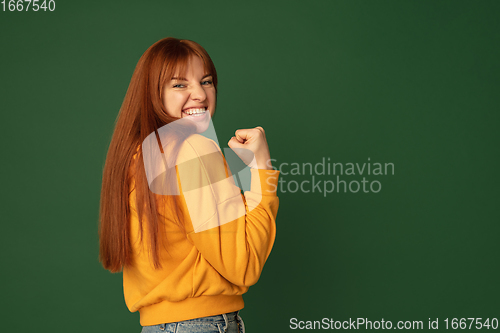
x,y
206,270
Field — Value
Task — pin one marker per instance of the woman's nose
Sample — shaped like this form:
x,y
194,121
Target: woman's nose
x,y
198,93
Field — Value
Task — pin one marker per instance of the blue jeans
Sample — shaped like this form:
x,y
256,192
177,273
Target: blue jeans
x,y
225,323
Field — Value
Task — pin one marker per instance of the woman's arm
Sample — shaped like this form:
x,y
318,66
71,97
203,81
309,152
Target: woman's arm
x,y
233,232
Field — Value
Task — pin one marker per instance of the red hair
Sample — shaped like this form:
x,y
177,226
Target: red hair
x,y
141,113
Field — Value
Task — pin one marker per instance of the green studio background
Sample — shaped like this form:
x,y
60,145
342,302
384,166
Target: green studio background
x,y
412,83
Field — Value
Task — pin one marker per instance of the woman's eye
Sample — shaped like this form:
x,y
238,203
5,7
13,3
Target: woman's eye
x,y
178,86
207,83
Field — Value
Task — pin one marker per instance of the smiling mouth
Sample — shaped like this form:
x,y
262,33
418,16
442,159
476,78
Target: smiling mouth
x,y
195,112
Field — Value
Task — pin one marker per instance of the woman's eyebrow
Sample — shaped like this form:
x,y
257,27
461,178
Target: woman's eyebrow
x,y
184,79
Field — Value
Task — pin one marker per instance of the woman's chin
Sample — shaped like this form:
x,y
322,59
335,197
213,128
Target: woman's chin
x,y
201,121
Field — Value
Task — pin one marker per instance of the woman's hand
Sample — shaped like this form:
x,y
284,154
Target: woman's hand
x,y
251,146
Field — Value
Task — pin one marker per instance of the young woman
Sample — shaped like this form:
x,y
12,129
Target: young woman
x,y
188,241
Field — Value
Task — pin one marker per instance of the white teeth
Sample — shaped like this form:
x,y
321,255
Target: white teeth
x,y
195,111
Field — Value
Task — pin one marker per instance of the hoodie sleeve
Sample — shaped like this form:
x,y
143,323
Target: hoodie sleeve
x,y
233,232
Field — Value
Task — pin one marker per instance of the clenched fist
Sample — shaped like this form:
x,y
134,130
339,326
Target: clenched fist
x,y
251,146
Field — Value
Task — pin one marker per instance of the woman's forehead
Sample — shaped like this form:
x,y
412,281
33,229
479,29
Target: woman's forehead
x,y
181,70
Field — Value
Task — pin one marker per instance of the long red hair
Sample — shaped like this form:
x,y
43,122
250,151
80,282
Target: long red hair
x,y
141,113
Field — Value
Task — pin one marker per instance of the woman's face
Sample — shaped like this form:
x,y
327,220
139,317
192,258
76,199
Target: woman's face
x,y
191,96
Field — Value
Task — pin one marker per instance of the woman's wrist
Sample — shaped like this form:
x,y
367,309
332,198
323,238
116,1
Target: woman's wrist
x,y
263,162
